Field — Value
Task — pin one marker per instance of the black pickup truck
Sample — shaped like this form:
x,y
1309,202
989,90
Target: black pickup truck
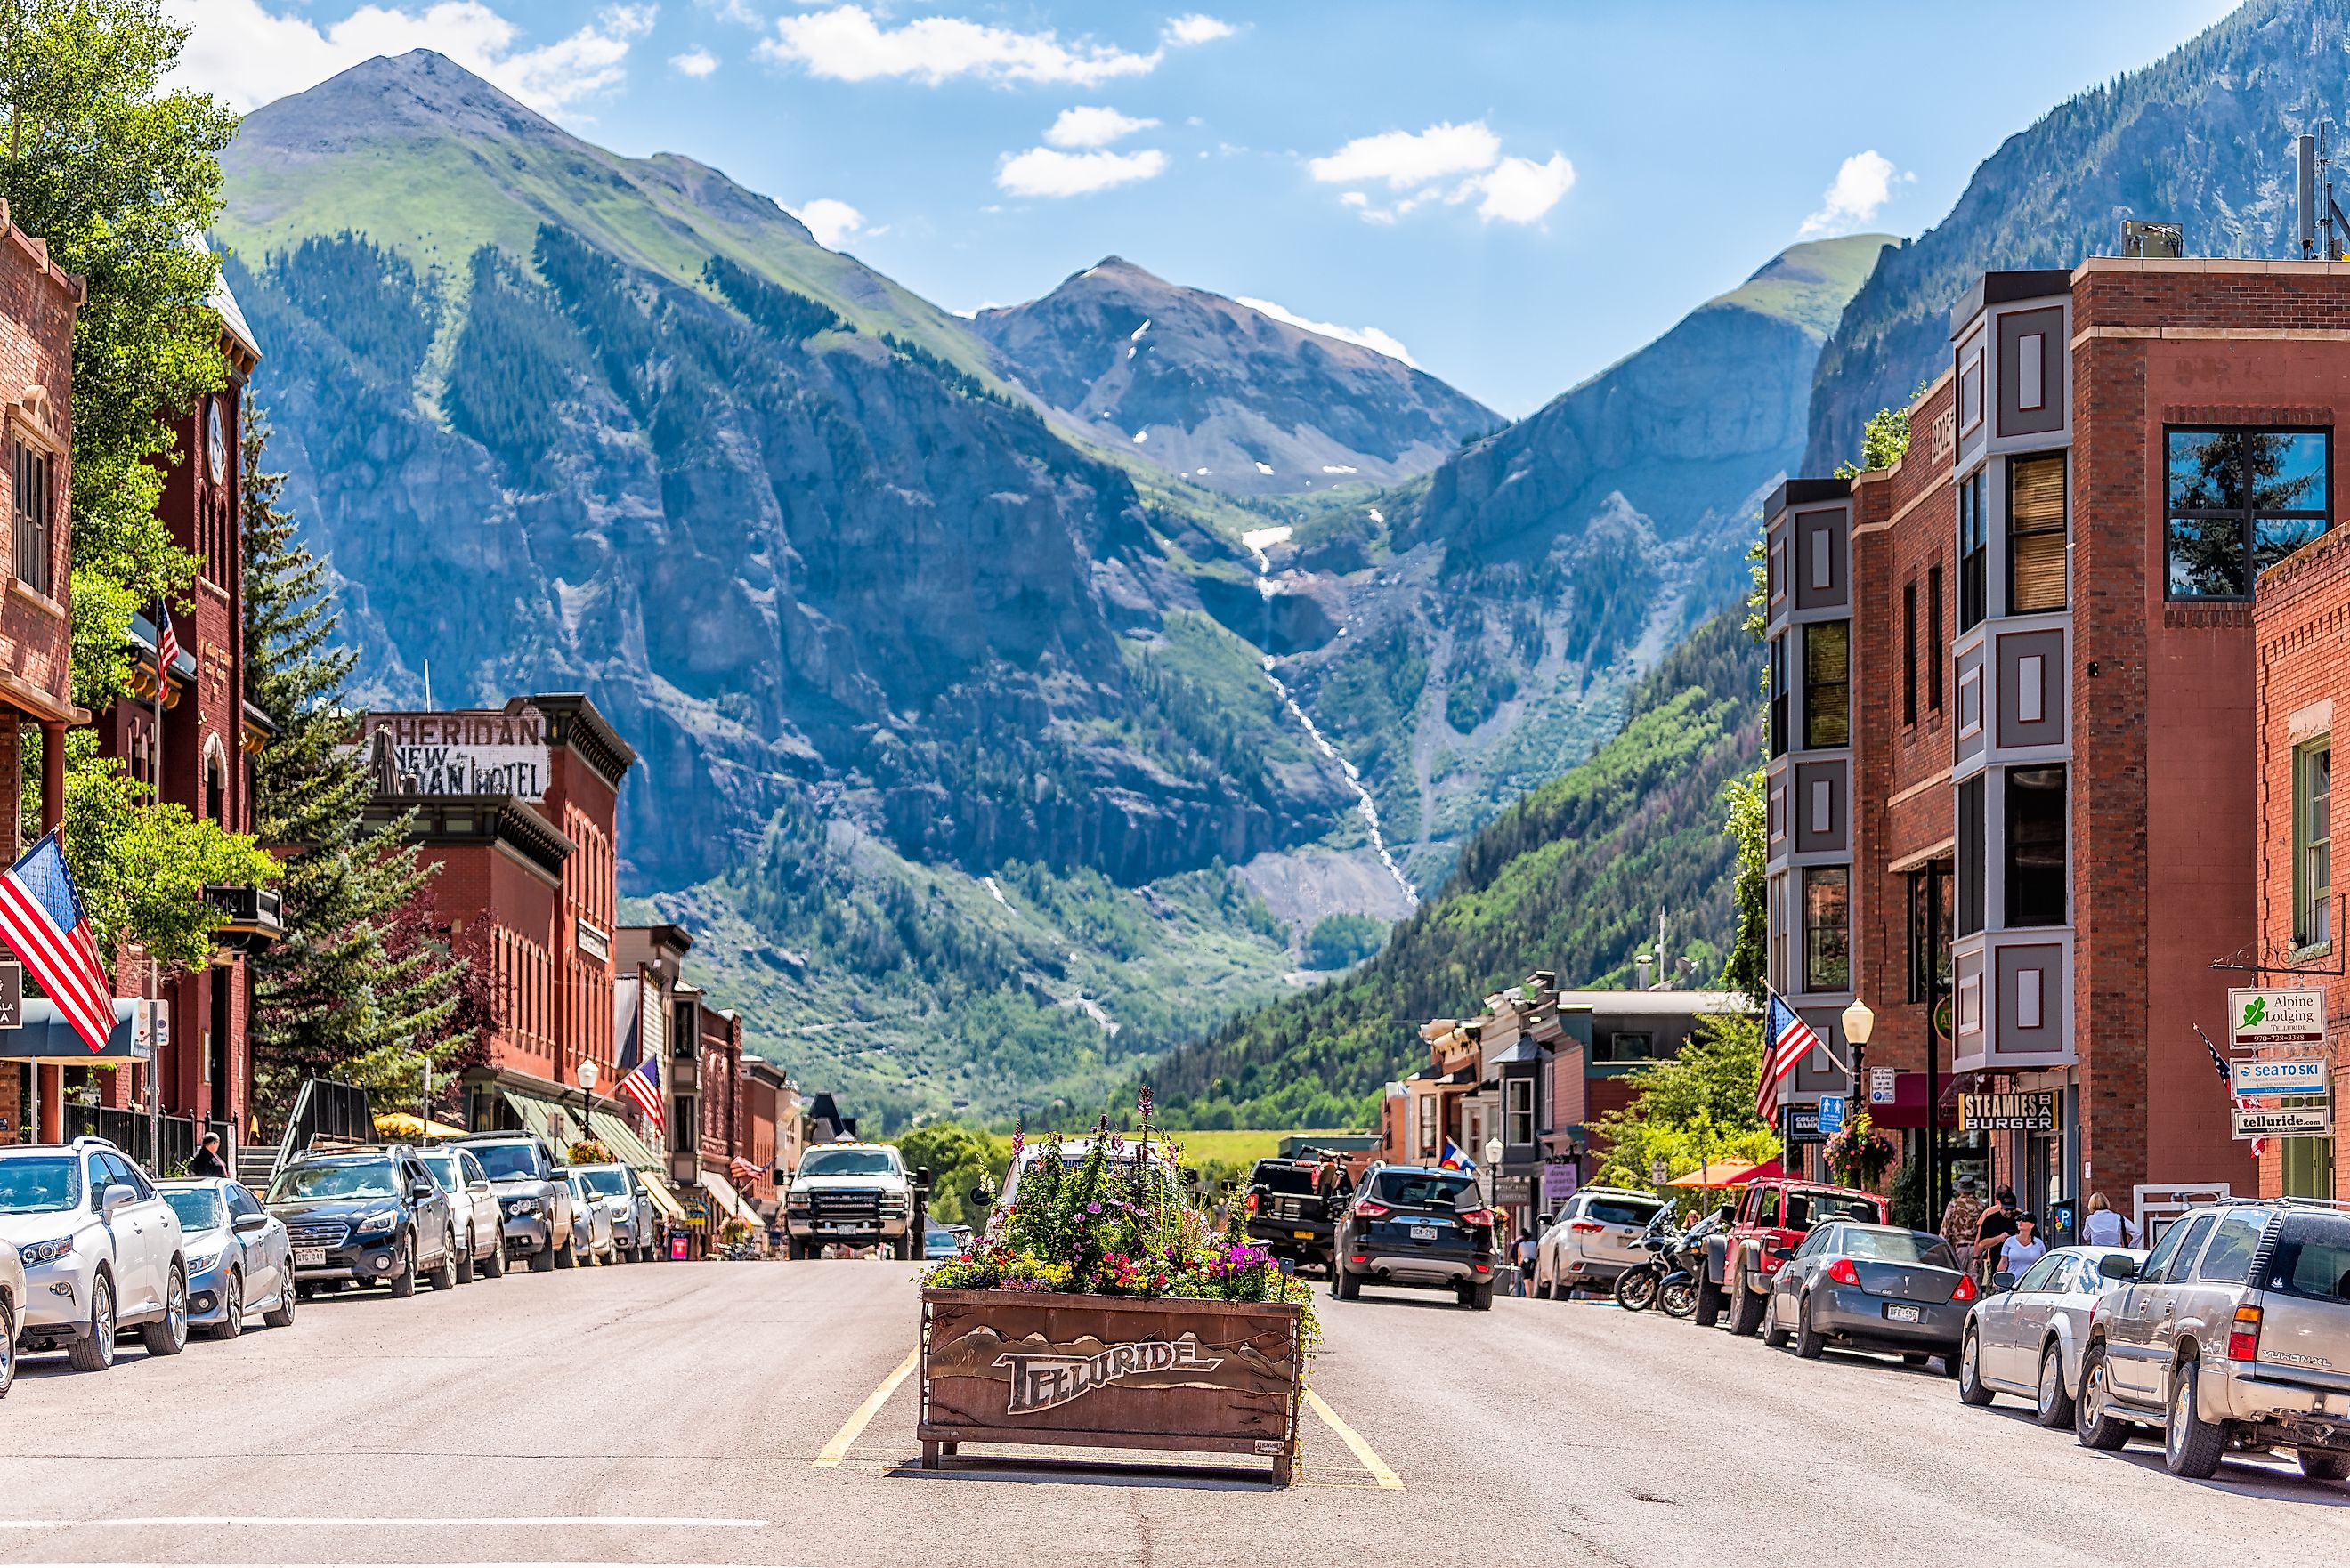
x,y
1292,1206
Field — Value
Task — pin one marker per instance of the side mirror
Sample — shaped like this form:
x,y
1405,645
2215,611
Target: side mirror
x,y
246,1224
115,1197
477,1187
421,1192
2114,1266
1191,1179
1545,1221
2002,1281
980,1198
922,1176
1782,1253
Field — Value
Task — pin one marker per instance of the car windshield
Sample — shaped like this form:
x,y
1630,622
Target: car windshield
x,y
849,1162
444,1170
605,1183
1283,1178
1899,1247
2312,1256
935,1237
198,1207
40,1184
1622,1210
1423,1189
504,1161
344,1178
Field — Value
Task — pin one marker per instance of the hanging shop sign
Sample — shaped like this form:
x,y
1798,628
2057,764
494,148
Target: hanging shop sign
x,y
2282,1121
2259,1018
2303,1074
2032,1110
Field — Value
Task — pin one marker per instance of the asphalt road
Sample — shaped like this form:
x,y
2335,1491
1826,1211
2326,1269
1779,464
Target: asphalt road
x,y
684,1413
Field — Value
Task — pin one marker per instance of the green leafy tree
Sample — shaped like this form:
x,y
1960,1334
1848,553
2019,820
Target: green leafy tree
x,y
1338,941
1694,1109
958,1159
361,987
1744,971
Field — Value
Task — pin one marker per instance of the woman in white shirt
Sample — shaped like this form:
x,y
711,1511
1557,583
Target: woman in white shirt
x,y
2105,1227
2024,1248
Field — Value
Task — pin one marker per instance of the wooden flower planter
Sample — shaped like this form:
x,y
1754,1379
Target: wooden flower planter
x,y
1019,1367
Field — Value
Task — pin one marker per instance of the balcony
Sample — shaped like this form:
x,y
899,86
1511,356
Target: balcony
x,y
2014,999
253,917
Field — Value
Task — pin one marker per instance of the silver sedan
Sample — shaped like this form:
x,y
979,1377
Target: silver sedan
x,y
1869,1287
2025,1337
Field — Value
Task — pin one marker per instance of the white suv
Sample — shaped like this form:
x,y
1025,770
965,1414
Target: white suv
x,y
1591,1241
100,1251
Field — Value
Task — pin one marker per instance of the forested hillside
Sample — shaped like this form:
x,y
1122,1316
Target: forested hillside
x,y
1570,878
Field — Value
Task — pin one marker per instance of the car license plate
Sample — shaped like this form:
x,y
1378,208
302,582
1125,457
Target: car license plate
x,y
1423,1232
1303,1235
310,1257
1895,1311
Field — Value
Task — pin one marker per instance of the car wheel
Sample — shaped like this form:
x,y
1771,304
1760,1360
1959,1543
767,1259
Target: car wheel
x,y
2094,1424
2317,1464
168,1335
1746,1306
2191,1446
1772,1334
1971,1390
465,1262
2053,1406
1809,1341
545,1258
1478,1298
282,1315
1709,1302
443,1275
568,1255
403,1279
1347,1287
495,1265
231,1321
7,1348
94,1351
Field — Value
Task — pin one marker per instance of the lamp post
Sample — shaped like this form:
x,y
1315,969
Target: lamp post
x,y
1859,1024
587,1070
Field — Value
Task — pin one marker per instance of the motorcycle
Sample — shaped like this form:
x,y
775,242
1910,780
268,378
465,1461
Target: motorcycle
x,y
1668,1278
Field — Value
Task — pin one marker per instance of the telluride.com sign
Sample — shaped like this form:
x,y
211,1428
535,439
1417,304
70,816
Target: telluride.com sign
x,y
480,752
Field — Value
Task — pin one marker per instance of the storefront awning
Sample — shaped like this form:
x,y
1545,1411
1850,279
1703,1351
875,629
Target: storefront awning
x,y
626,1146
46,1036
723,1195
534,1113
663,1199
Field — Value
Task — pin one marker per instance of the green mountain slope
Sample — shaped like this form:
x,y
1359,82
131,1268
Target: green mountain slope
x,y
1569,879
2202,137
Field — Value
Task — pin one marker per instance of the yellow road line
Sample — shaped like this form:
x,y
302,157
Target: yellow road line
x,y
854,1427
1363,1455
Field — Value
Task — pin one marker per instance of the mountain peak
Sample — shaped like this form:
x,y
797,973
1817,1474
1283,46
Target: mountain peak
x,y
419,95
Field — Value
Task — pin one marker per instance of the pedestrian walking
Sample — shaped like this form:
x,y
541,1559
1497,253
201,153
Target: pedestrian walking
x,y
1522,1254
2024,1248
1991,1235
208,1160
2106,1225
1960,1216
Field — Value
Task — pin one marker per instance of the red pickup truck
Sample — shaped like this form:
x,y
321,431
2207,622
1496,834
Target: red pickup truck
x,y
1778,1212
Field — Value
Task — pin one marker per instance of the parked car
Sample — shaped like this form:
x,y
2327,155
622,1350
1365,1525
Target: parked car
x,y
240,1258
1292,1206
100,1248
592,1222
481,1222
2025,1337
2233,1332
369,1217
620,1192
1593,1238
535,1201
1418,1226
850,1194
1772,1220
939,1243
12,1313
1869,1287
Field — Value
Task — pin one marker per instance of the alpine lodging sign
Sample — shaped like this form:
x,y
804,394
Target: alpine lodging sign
x,y
2261,1017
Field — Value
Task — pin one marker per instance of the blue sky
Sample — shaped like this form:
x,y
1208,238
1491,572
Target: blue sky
x,y
1517,194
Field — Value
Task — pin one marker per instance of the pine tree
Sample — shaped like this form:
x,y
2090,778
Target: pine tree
x,y
365,984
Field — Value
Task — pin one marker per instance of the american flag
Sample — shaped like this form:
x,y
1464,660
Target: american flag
x,y
167,641
1786,1040
642,1084
745,1171
2241,1102
41,919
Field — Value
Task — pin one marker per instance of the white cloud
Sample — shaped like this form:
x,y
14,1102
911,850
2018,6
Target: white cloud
x,y
829,220
694,62
1370,338
249,54
735,11
1041,171
1196,28
1406,158
1863,185
1519,189
847,44
1085,127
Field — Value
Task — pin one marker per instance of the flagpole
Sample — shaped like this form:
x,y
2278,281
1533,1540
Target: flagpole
x,y
154,979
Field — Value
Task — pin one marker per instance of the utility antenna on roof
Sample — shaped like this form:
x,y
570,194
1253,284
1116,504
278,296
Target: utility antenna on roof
x,y
2322,226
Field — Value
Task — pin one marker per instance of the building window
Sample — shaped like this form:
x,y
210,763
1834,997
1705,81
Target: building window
x,y
1929,932
2035,847
2312,844
1518,1122
1620,1046
1426,1103
1972,863
1909,653
31,511
1827,945
2309,1163
1775,960
1974,554
1779,696
1827,673
2035,533
1938,647
2239,502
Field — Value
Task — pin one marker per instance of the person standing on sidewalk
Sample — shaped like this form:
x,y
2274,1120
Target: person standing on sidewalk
x,y
2106,1225
1960,1219
2024,1248
1990,1236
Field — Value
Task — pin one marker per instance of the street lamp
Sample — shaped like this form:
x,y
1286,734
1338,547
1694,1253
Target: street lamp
x,y
1859,1024
587,1070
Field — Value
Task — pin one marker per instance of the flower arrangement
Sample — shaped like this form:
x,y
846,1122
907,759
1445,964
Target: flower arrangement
x,y
1114,1224
588,1151
1858,1153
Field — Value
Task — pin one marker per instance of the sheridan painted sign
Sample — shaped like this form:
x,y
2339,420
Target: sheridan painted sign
x,y
482,752
1044,1382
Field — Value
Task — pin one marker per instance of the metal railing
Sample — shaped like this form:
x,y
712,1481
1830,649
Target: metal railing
x,y
325,1108
162,1146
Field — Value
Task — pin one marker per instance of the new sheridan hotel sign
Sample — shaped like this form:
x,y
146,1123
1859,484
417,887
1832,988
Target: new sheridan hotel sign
x,y
485,751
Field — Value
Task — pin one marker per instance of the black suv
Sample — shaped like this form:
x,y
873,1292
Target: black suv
x,y
367,1217
1417,1226
1292,1206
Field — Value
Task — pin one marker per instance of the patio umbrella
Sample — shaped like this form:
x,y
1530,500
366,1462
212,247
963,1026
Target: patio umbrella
x,y
1729,1173
408,1124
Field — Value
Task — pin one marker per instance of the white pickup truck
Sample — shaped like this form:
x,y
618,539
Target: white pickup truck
x,y
850,1194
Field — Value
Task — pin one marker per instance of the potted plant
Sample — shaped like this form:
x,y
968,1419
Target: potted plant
x,y
1101,1308
1858,1153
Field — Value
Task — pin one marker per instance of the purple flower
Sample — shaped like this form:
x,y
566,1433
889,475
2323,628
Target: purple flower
x,y
1093,1208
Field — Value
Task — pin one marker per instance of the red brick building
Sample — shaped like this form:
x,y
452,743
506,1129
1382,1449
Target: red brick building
x,y
2300,629
38,306
2013,692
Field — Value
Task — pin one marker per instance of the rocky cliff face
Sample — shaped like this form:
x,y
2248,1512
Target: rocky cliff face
x,y
1222,394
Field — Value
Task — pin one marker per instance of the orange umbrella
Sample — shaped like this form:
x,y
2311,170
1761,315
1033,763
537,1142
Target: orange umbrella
x,y
1729,1173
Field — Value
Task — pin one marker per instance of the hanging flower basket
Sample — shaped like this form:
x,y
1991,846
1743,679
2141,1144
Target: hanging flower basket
x,y
1858,1153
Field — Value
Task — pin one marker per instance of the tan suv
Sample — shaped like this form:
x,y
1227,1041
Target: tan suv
x,y
2234,1332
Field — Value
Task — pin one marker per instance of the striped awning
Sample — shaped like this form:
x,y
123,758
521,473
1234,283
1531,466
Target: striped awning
x,y
729,1203
626,1146
657,1188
